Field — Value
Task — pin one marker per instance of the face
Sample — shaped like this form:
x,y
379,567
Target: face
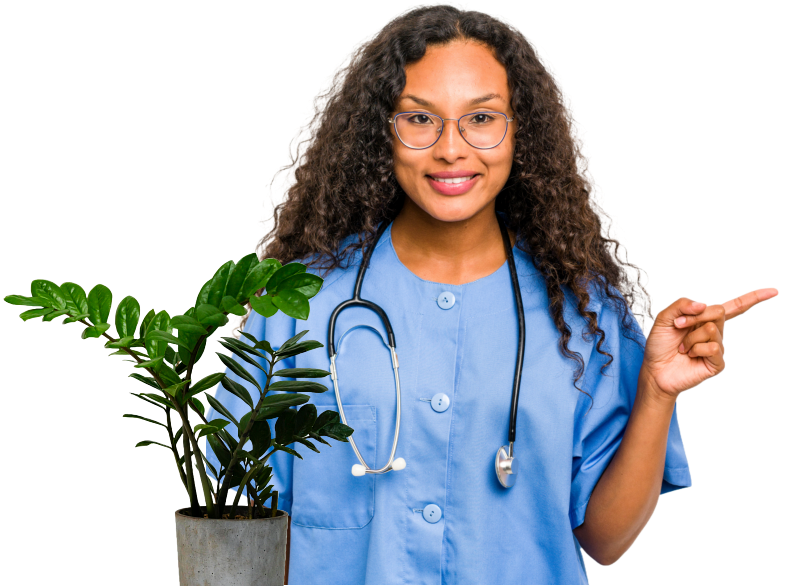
x,y
451,81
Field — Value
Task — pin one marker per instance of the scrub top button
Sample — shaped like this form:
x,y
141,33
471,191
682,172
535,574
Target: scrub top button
x,y
440,402
446,300
432,513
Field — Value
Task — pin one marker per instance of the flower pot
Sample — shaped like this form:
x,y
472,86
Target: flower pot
x,y
224,552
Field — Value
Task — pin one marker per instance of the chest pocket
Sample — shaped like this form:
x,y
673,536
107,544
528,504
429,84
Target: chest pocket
x,y
325,494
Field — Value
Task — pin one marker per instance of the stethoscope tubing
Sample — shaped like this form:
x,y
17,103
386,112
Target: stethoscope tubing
x,y
503,465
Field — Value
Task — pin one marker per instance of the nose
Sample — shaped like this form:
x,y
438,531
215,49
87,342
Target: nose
x,y
451,146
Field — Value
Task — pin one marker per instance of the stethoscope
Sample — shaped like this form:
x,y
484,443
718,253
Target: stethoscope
x,y
505,463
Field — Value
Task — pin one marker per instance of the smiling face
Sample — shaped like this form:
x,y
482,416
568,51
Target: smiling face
x,y
450,81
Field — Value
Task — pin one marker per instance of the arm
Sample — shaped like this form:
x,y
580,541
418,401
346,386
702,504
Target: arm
x,y
626,494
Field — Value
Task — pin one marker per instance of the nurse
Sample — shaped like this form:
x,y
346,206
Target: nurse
x,y
441,124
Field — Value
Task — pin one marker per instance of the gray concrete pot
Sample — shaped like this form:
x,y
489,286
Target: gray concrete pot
x,y
223,552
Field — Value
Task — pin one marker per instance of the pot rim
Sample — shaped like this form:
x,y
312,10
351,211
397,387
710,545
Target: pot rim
x,y
179,514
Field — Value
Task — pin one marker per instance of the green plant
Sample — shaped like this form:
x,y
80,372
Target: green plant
x,y
169,360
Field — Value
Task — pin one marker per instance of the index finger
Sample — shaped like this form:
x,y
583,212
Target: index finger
x,y
745,302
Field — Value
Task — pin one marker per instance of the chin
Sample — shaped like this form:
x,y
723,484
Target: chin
x,y
452,209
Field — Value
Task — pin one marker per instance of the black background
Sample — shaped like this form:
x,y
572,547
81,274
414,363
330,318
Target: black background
x,y
138,148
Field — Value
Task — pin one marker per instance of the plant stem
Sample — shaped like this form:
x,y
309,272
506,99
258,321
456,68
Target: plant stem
x,y
195,509
243,437
176,451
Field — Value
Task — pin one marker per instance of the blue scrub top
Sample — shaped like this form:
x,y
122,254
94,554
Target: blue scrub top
x,y
384,528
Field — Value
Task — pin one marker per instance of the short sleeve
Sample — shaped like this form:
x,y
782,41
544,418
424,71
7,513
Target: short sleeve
x,y
600,421
276,330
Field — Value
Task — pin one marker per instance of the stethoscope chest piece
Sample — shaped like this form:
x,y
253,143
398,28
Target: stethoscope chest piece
x,y
506,467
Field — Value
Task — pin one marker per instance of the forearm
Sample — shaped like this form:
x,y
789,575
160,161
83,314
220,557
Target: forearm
x,y
625,496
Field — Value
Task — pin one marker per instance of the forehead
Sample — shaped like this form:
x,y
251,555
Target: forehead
x,y
452,75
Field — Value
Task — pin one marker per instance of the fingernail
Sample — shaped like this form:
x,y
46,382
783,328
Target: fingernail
x,y
698,305
680,321
682,348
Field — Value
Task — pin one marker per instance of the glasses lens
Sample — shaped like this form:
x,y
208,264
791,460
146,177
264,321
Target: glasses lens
x,y
483,129
417,129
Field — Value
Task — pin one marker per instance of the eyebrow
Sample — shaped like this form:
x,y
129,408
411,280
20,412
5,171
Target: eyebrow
x,y
473,102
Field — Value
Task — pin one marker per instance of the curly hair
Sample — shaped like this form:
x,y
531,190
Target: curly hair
x,y
344,183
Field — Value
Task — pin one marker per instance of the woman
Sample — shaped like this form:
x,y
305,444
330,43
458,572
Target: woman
x,y
443,126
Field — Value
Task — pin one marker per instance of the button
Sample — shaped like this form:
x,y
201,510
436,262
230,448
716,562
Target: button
x,y
446,300
440,402
432,513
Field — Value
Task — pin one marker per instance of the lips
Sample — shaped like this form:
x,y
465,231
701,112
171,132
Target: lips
x,y
453,182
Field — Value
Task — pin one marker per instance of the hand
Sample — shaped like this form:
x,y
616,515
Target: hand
x,y
685,345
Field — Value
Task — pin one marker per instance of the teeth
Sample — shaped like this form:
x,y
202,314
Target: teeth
x,y
453,179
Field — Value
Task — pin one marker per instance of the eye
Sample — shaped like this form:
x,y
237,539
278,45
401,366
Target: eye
x,y
481,118
420,119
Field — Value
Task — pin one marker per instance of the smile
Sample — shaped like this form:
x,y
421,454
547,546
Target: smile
x,y
453,185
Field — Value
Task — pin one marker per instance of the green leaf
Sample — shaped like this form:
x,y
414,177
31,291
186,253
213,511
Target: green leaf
x,y
289,270
305,419
99,301
120,343
165,337
263,305
95,331
147,400
337,431
238,275
302,373
203,294
218,423
302,386
198,405
284,426
217,285
217,406
156,346
29,301
298,348
241,347
155,363
158,399
54,314
259,277
76,301
238,370
240,353
230,305
146,380
175,388
315,436
325,418
306,283
145,419
207,383
272,405
75,318
145,323
209,315
168,375
260,438
236,389
277,446
293,340
219,449
149,442
305,442
31,313
50,292
187,323
127,316
292,303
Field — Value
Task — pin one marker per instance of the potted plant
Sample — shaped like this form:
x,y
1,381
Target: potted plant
x,y
219,542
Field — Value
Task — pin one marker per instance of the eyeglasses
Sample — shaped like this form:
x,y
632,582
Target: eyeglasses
x,y
420,130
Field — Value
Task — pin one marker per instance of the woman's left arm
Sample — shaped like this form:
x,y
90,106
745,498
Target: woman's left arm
x,y
684,348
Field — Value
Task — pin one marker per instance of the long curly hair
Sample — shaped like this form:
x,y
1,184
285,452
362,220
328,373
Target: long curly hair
x,y
344,182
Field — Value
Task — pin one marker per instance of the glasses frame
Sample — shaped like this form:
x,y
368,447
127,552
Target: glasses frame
x,y
392,120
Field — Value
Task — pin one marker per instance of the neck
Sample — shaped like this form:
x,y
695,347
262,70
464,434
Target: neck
x,y
448,252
